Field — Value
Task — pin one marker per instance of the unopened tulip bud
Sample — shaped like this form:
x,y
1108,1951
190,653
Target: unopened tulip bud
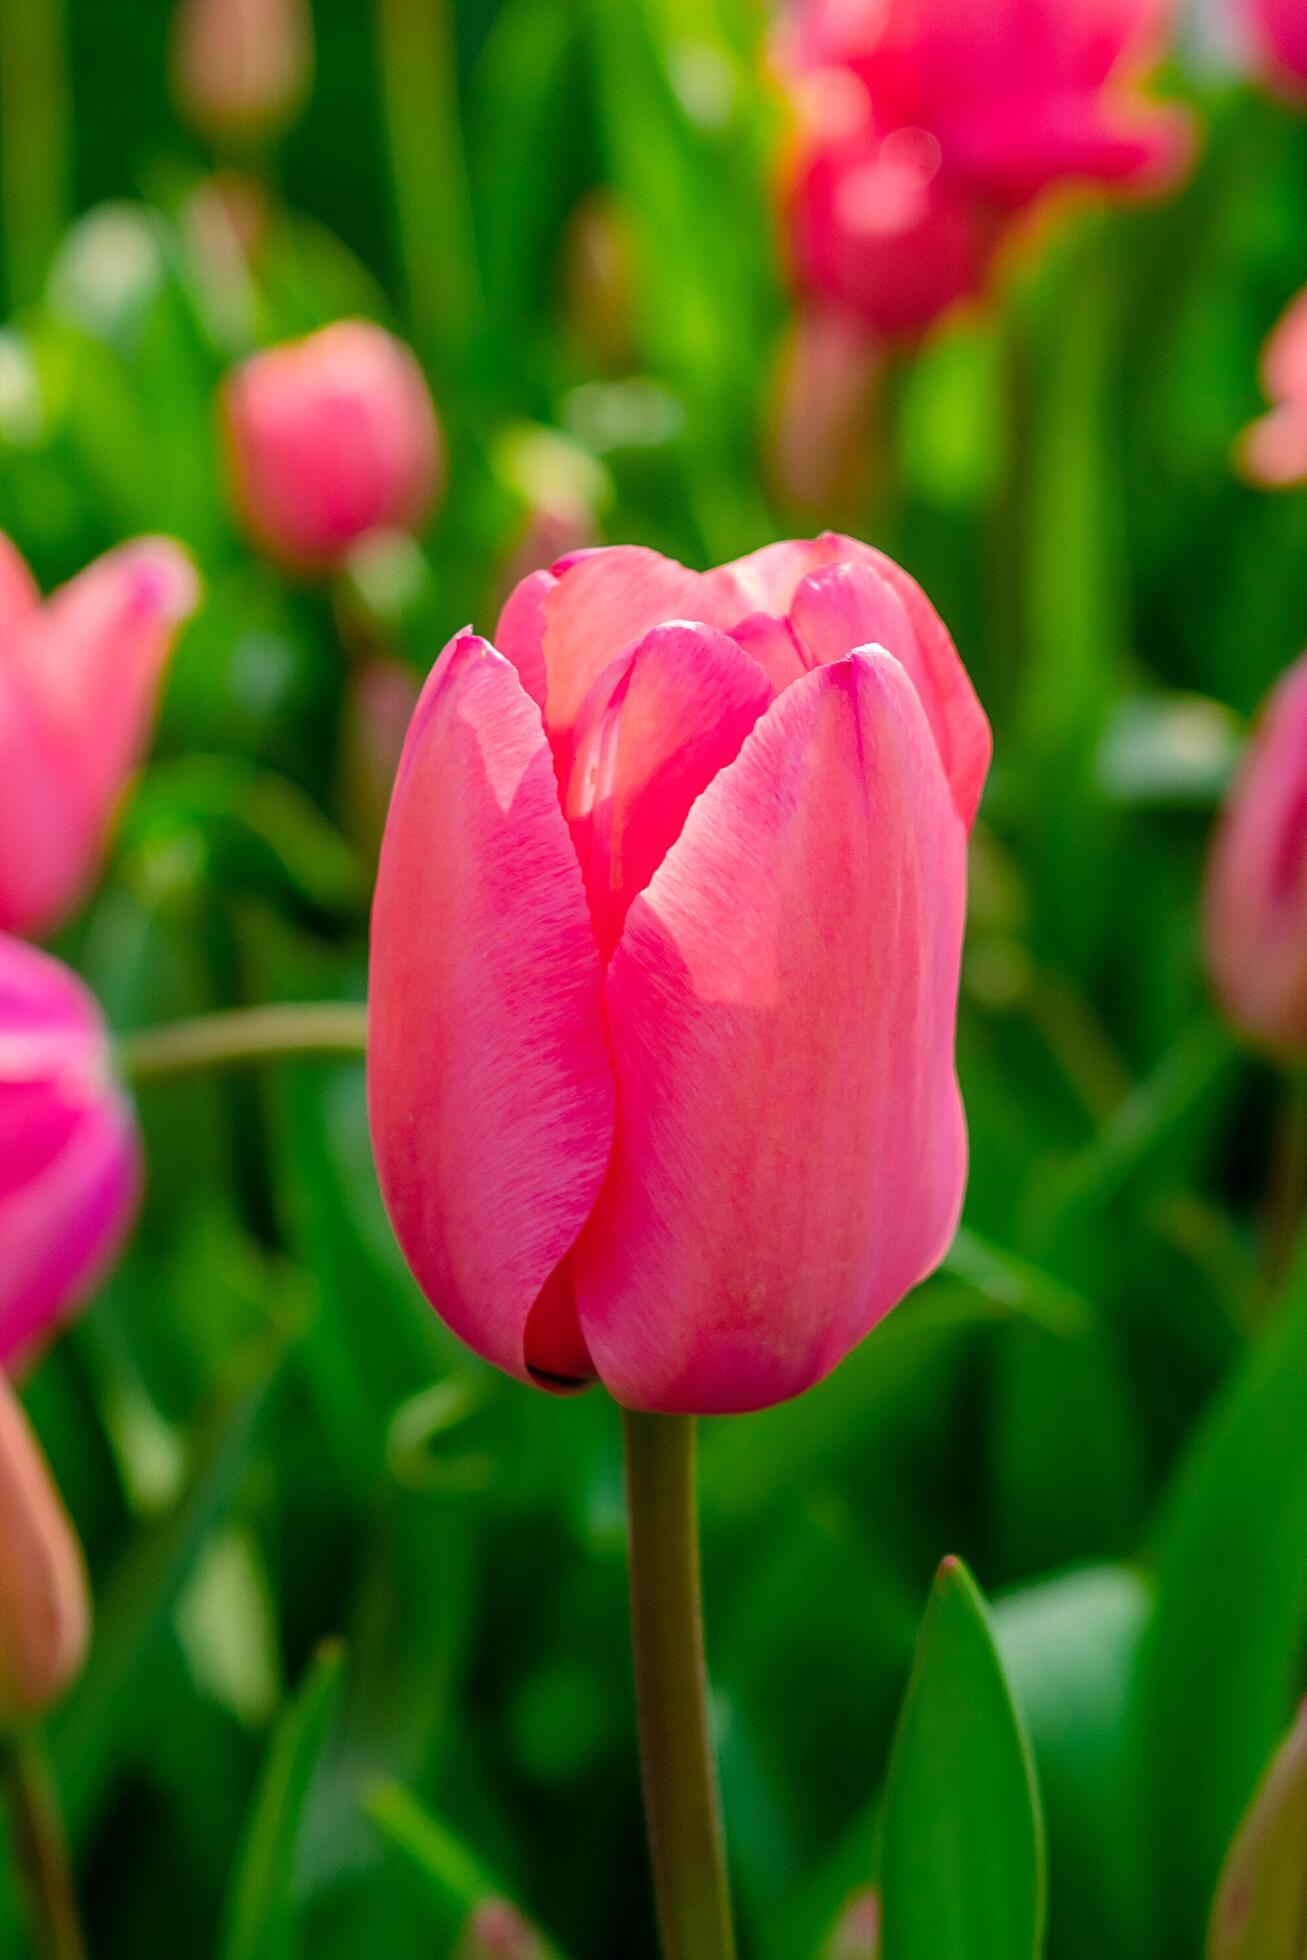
x,y
381,695
666,941
599,283
69,1159
1273,451
1262,1897
79,676
331,438
822,424
857,1936
497,1931
1256,902
241,68
44,1610
1278,33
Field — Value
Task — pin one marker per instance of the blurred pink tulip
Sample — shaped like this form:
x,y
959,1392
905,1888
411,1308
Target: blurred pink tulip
x,y
330,438
69,1158
1273,451
79,676
44,1608
664,970
497,1931
241,68
1279,34
1256,910
925,127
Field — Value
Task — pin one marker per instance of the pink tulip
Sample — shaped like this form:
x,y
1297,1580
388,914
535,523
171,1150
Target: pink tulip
x,y
1279,34
44,1609
78,680
1256,910
1273,451
331,437
69,1158
241,68
927,126
665,963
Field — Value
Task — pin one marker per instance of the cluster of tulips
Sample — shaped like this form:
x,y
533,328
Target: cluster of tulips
x,y
669,915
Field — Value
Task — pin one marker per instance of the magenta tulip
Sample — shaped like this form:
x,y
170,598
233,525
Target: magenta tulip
x,y
664,970
44,1607
79,677
1257,881
331,438
926,127
1278,30
69,1156
1256,910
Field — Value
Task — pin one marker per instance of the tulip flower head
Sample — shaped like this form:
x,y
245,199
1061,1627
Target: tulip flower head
x,y
79,676
1256,903
44,1609
664,970
69,1155
926,127
331,438
1278,31
1273,451
241,68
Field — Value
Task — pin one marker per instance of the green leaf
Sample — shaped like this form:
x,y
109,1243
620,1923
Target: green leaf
x,y
962,1859
1261,1907
1221,1664
261,1902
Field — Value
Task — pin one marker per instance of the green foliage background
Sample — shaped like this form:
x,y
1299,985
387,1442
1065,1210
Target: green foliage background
x,y
267,1439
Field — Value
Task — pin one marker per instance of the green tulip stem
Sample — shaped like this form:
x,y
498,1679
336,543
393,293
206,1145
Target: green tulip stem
x,y
246,1036
682,1807
39,1849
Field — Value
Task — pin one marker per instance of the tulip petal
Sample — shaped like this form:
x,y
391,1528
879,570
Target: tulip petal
x,y
657,726
44,1610
603,602
18,593
490,1087
520,633
854,605
790,1151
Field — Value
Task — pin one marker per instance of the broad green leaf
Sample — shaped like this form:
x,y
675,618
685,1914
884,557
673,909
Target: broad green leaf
x,y
261,1903
962,1858
1261,1906
1221,1664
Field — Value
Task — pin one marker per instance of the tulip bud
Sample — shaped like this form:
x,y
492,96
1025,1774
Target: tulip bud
x,y
824,412
1261,1901
330,438
79,677
1256,902
381,695
69,1159
629,848
599,283
857,1935
1278,31
497,1931
1273,451
241,68
44,1610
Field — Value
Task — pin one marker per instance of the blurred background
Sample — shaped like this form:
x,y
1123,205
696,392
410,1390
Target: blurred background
x,y
576,216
